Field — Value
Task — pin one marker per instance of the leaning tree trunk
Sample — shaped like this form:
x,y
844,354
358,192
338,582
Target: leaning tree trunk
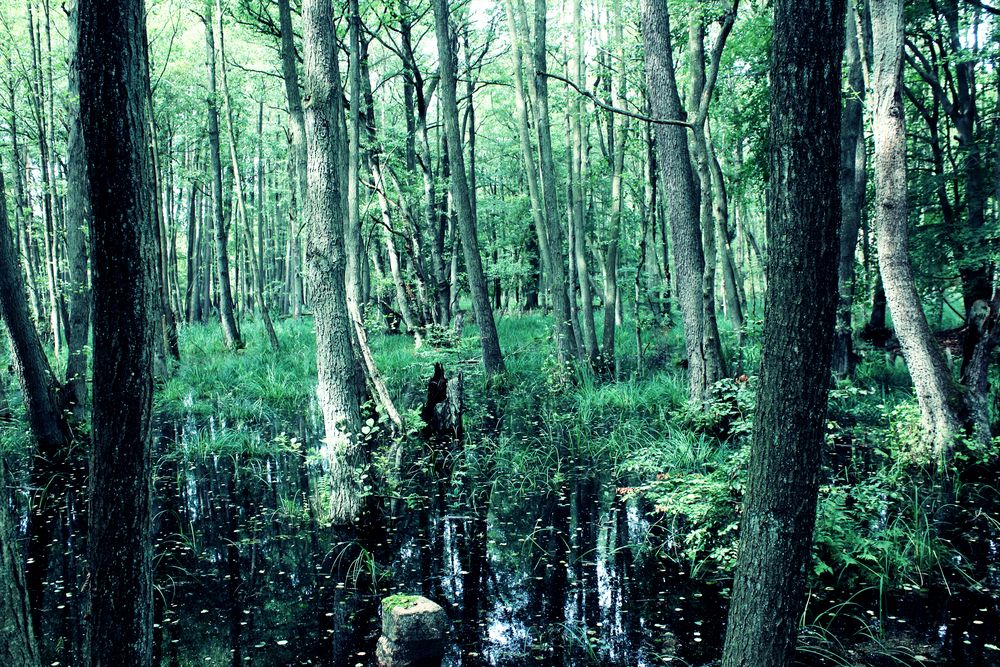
x,y
931,379
230,331
50,469
126,305
674,159
802,220
488,338
337,389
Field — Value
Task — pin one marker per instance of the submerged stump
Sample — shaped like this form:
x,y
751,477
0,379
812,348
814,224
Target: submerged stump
x,y
413,632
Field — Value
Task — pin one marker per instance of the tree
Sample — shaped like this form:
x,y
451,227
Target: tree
x,y
674,159
336,365
488,338
779,509
126,305
931,378
230,330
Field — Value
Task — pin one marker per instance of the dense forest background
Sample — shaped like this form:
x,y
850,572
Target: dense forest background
x,y
705,291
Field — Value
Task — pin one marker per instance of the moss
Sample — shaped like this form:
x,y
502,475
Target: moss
x,y
404,601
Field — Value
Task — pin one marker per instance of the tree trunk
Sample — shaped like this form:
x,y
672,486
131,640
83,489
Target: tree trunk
x,y
337,390
230,331
77,221
352,235
488,338
675,161
779,509
112,106
566,348
931,379
852,197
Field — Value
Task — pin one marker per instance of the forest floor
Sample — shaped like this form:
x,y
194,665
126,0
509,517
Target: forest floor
x,y
618,494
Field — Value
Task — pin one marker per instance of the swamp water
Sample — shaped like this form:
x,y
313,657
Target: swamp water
x,y
247,574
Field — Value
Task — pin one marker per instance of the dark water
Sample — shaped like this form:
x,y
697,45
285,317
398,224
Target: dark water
x,y
247,574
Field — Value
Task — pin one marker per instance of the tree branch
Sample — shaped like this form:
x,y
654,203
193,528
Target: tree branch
x,y
607,107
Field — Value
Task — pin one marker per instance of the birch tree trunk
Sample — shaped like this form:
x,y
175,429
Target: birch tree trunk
x,y
932,380
337,389
674,159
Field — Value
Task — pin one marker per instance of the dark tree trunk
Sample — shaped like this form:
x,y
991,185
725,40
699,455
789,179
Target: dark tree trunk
x,y
230,330
799,309
488,338
126,304
852,197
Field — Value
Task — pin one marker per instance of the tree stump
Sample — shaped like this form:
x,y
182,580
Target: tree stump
x,y
413,632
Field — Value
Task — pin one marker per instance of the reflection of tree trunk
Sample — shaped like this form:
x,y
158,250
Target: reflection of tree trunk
x,y
931,378
17,638
787,445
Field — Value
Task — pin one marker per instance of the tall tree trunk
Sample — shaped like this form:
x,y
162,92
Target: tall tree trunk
x,y
352,235
578,185
712,344
337,390
616,146
540,249
730,275
230,331
674,160
77,220
566,348
931,379
112,106
852,160
779,510
488,338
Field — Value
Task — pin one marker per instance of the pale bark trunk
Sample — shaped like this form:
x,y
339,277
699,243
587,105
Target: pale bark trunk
x,y
675,162
77,220
931,379
352,235
337,389
566,348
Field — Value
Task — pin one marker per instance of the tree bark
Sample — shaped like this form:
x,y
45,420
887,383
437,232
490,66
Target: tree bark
x,y
77,221
112,106
931,378
779,510
230,330
675,162
566,348
488,338
852,197
337,389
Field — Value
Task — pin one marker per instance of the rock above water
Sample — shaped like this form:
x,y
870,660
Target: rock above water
x,y
413,632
